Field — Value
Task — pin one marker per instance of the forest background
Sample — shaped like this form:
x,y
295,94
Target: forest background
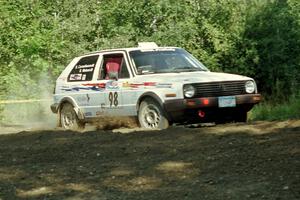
x,y
256,38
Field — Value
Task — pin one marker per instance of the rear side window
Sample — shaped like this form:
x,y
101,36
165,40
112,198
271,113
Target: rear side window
x,y
84,69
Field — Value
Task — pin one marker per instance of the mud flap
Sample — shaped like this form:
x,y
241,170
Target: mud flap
x,y
58,122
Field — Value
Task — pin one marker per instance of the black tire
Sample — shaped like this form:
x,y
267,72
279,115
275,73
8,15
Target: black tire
x,y
151,115
69,119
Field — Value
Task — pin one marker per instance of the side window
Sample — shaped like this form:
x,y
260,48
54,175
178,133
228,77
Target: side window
x,y
124,70
113,67
84,69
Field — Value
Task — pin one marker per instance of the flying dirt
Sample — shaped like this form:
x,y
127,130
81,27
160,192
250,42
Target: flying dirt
x,y
259,160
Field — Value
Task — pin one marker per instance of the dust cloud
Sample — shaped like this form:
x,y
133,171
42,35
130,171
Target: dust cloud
x,y
17,116
21,115
111,123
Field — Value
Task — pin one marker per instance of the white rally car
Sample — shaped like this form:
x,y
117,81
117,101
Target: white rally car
x,y
159,85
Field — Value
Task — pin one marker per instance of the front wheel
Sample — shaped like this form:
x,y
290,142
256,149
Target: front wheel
x,y
151,115
69,119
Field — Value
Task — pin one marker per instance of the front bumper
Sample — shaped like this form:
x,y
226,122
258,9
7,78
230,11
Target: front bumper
x,y
178,108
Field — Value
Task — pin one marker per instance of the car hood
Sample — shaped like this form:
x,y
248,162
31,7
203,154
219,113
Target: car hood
x,y
191,77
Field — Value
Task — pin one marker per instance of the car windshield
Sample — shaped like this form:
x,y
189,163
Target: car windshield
x,y
165,61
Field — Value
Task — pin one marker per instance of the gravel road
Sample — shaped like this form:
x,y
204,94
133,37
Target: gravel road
x,y
259,160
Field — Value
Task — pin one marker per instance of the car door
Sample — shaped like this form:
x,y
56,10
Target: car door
x,y
113,74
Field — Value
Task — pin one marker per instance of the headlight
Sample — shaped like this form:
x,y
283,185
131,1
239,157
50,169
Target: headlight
x,y
188,91
250,86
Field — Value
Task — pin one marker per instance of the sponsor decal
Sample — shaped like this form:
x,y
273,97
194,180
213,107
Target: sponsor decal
x,y
136,85
98,85
89,86
75,77
147,84
84,66
86,70
126,85
112,85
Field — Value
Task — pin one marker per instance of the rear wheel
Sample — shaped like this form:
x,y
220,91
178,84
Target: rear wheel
x,y
69,119
151,115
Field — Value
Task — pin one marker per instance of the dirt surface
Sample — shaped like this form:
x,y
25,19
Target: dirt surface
x,y
235,161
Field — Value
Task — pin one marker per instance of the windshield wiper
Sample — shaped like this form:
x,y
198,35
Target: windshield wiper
x,y
186,69
175,70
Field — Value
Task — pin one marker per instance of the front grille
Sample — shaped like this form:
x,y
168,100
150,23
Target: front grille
x,y
214,89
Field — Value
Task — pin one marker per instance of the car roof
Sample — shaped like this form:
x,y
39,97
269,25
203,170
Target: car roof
x,y
128,49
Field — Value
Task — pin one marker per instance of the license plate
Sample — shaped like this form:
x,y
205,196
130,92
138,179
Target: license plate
x,y
228,101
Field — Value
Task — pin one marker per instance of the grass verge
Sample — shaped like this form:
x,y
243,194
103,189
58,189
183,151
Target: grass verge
x,y
272,111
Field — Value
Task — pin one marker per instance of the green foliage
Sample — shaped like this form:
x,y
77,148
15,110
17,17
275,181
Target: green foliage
x,y
270,111
275,35
260,39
